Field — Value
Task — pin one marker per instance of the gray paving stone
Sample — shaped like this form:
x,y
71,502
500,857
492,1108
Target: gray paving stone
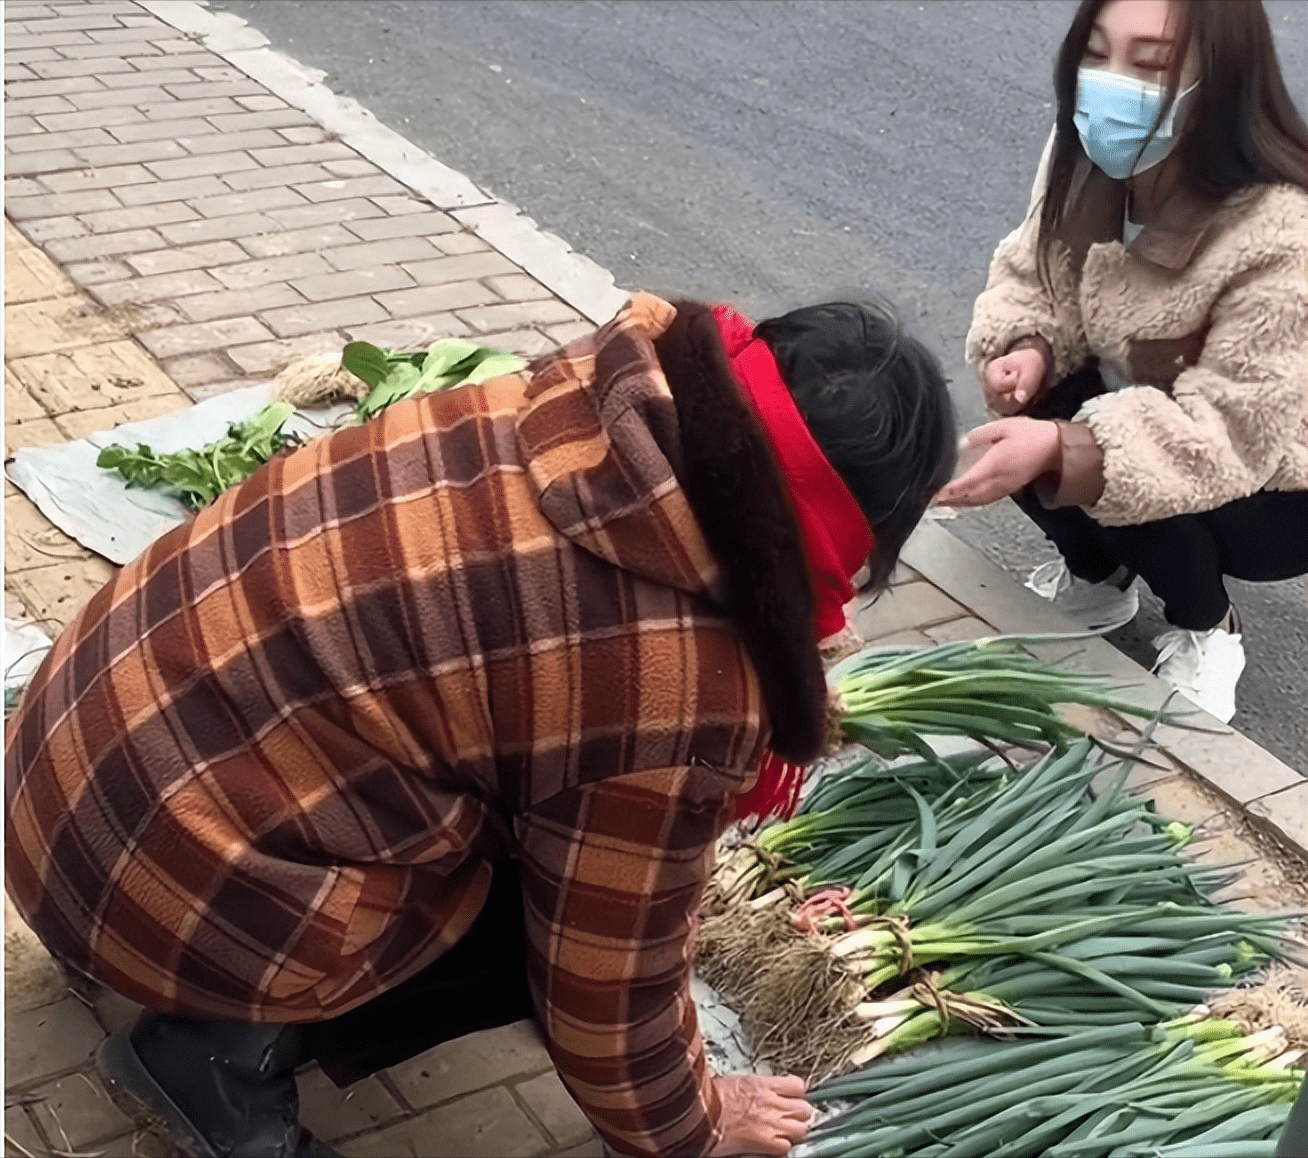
x,y
38,106
279,175
159,286
186,128
393,251
411,333
111,97
460,242
131,153
53,86
270,358
206,256
21,127
465,267
42,161
199,166
296,241
196,89
434,298
16,39
250,201
484,1125
41,1043
230,303
296,154
516,287
110,118
261,104
60,204
15,72
411,225
190,339
95,272
297,320
340,188
199,369
83,21
24,187
305,134
97,48
123,31
111,177
526,343
68,139
332,1113
247,274
594,1148
566,332
77,1113
184,189
169,108
138,217
224,142
328,213
173,55
275,118
957,630
488,318
403,206
549,1103
913,606
353,283
218,228
351,167
1286,813
162,79
53,228
95,67
472,1063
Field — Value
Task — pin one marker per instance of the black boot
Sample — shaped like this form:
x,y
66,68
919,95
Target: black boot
x,y
223,1089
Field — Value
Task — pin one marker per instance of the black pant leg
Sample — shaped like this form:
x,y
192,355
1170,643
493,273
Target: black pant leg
x,y
481,983
1263,538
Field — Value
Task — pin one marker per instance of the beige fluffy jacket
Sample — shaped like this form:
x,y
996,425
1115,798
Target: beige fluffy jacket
x,y
1206,312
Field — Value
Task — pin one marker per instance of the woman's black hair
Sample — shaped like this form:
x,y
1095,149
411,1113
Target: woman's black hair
x,y
876,401
1242,128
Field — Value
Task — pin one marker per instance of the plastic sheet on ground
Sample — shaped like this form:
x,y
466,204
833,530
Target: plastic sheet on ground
x,y
99,510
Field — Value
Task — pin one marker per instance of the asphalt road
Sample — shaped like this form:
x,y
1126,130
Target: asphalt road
x,y
773,154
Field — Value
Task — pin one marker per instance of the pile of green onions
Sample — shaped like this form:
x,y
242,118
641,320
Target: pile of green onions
x,y
1186,1089
988,689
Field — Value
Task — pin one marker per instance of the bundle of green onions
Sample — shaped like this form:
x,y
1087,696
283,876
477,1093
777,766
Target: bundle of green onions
x,y
1023,901
1190,1088
988,689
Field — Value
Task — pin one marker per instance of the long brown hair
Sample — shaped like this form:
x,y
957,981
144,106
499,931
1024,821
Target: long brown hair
x,y
1242,128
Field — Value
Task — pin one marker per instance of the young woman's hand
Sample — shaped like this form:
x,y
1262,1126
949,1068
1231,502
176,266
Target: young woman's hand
x,y
1017,451
1013,379
761,1115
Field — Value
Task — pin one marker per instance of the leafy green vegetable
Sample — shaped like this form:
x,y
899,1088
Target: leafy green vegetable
x,y
197,477
395,376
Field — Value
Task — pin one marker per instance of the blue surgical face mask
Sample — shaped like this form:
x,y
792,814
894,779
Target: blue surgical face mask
x,y
1115,116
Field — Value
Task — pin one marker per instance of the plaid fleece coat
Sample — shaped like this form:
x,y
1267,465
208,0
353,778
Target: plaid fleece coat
x,y
265,774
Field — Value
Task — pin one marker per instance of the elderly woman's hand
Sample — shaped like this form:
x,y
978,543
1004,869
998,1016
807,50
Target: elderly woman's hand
x,y
1017,451
761,1115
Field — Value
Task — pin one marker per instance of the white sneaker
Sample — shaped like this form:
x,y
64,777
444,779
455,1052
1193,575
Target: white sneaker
x,y
1093,606
1204,666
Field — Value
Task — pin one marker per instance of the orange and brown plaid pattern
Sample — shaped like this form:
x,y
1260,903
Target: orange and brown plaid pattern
x,y
265,772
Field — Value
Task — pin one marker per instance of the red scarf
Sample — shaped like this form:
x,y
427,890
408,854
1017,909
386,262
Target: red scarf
x,y
836,537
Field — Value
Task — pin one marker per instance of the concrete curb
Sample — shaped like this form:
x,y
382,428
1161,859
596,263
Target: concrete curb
x,y
1270,793
579,281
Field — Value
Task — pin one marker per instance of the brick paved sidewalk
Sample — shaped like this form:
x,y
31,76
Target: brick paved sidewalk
x,y
178,229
